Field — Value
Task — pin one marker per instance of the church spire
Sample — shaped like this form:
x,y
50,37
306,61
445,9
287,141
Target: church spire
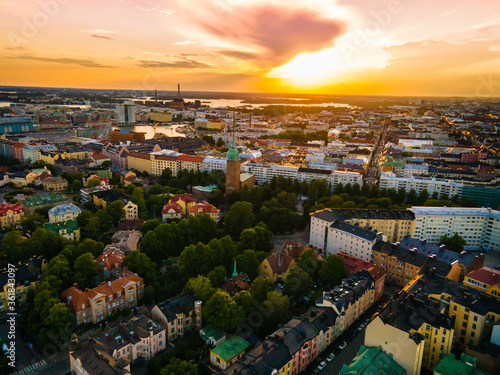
x,y
233,153
235,272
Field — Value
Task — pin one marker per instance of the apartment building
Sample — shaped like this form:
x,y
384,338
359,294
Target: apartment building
x,y
179,315
372,361
351,239
110,262
350,299
204,208
159,163
63,212
55,184
449,188
225,354
96,304
68,229
480,227
27,277
190,163
326,321
214,164
484,279
449,365
131,211
10,214
138,339
87,195
346,177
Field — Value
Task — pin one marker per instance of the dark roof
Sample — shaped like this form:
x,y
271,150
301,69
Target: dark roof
x,y
295,333
27,272
321,318
177,305
313,170
349,214
95,360
354,230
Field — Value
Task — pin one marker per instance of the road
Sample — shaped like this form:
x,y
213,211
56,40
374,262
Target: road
x,y
372,173
353,344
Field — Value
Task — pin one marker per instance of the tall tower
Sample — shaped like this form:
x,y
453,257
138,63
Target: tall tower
x,y
233,167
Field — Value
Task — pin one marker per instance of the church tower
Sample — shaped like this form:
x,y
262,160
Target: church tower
x,y
233,167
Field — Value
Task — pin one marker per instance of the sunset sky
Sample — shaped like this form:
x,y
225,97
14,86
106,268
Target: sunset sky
x,y
365,47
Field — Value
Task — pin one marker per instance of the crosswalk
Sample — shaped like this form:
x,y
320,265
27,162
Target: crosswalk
x,y
31,368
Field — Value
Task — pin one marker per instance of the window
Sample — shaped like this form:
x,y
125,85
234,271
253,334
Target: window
x,y
474,326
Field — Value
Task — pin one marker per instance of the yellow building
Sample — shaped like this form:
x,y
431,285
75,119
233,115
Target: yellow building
x,y
27,277
139,161
22,178
131,211
160,116
225,354
485,279
55,184
161,162
404,261
276,267
217,124
50,157
10,214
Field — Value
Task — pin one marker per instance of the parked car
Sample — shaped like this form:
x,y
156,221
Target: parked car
x,y
321,366
344,344
330,357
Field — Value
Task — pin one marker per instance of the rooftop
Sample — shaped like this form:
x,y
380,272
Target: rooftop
x,y
230,348
354,230
372,361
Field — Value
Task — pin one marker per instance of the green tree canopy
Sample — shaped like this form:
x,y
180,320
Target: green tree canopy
x,y
86,270
222,312
298,283
179,367
260,287
139,263
116,211
239,217
333,271
201,286
455,242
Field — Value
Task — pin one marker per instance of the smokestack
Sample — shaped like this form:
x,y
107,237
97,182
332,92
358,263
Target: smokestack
x,y
250,122
179,90
156,96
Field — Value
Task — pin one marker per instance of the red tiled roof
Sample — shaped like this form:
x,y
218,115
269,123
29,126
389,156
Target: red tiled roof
x,y
279,262
204,207
376,273
196,159
43,176
354,264
186,198
139,155
110,258
5,207
166,158
99,156
486,275
171,206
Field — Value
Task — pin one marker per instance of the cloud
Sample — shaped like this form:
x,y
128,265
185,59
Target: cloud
x,y
184,42
100,36
99,31
184,63
64,60
275,33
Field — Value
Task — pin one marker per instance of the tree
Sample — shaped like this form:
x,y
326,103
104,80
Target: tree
x,y
298,283
248,262
60,268
258,238
196,260
412,197
276,307
220,142
260,287
201,286
11,243
116,211
333,271
209,139
155,204
217,276
308,262
93,182
150,225
222,312
455,242
139,263
86,270
156,189
244,299
89,246
152,247
76,185
32,221
83,218
179,367
104,220
239,217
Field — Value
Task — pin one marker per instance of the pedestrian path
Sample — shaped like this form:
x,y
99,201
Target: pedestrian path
x,y
31,368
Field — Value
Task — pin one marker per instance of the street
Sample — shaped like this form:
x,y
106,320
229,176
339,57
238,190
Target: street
x,y
371,176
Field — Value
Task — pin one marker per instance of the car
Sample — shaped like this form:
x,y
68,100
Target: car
x,y
279,286
321,366
344,344
367,320
330,357
30,345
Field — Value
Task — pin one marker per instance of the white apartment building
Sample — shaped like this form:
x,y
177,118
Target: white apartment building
x,y
131,211
125,113
337,235
388,180
415,170
344,177
480,227
214,164
265,172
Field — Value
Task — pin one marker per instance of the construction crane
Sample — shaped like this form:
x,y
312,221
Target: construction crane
x,y
154,128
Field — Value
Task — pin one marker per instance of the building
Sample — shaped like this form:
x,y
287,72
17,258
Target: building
x,y
214,164
125,113
180,205
372,360
351,299
32,151
139,161
203,123
22,178
233,169
10,214
204,208
403,262
480,227
349,238
30,204
237,282
301,339
96,160
55,184
276,266
160,163
326,322
449,365
190,163
179,315
28,274
171,211
450,188
68,229
15,125
212,336
96,304
225,354
126,241
269,357
485,279
353,264
138,339
110,262
63,212
160,116
90,357
394,224
131,211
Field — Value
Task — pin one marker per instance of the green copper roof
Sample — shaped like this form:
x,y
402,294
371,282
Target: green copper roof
x,y
235,272
231,348
372,361
449,365
209,331
69,225
233,154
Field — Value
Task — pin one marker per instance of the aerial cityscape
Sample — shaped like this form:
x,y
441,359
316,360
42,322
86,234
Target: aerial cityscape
x,y
249,187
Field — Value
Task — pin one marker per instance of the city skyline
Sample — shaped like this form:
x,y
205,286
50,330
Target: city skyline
x,y
325,47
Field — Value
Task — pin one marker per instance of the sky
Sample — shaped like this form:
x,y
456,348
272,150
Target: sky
x,y
337,47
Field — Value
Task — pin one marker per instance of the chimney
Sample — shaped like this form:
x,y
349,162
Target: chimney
x,y
156,96
179,90
109,283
